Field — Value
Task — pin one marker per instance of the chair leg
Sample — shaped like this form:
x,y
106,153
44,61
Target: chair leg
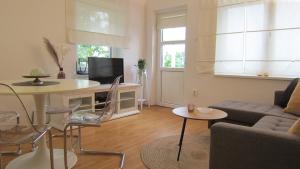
x,y
71,137
0,161
51,149
19,146
33,146
92,152
19,151
120,154
89,152
79,138
32,117
65,148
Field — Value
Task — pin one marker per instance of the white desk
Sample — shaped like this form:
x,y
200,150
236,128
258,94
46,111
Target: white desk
x,y
40,159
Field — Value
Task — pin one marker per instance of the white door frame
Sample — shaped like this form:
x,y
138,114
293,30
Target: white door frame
x,y
160,69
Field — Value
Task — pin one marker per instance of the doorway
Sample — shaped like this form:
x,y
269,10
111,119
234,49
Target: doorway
x,y
171,49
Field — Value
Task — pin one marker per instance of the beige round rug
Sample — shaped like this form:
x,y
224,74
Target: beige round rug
x,y
162,153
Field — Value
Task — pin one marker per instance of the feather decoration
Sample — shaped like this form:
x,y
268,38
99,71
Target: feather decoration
x,y
52,52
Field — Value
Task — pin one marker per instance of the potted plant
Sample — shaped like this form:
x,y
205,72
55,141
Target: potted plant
x,y
141,68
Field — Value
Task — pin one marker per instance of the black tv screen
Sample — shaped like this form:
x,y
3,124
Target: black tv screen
x,y
105,70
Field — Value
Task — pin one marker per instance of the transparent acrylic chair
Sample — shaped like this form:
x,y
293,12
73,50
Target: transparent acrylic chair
x,y
51,111
90,118
14,118
15,133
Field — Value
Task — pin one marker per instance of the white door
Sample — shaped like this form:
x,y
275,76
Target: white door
x,y
171,53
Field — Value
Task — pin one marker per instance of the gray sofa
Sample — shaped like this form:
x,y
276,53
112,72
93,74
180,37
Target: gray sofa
x,y
255,136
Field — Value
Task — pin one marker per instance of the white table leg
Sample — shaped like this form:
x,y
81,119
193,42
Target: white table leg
x,y
40,159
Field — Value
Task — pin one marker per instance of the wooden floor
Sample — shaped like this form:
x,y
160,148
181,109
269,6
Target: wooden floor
x,y
129,135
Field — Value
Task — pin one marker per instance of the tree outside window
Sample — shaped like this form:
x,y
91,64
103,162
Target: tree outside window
x,y
85,51
173,47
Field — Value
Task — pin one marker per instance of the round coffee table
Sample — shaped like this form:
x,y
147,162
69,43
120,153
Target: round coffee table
x,y
200,113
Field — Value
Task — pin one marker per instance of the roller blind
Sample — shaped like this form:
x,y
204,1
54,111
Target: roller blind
x,y
171,19
258,38
101,22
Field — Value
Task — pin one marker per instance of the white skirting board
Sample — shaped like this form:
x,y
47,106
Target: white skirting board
x,y
120,115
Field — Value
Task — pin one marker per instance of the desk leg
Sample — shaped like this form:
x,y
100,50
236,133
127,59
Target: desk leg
x,y
181,138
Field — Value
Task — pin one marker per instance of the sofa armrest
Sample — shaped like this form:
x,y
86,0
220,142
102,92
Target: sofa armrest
x,y
240,147
278,97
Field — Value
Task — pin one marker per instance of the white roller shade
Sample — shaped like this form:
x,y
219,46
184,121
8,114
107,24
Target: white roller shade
x,y
102,22
258,38
171,20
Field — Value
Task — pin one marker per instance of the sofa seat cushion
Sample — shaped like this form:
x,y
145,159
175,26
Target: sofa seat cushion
x,y
250,112
274,123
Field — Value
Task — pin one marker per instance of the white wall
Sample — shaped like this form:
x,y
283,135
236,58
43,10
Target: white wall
x,y
24,23
137,31
212,89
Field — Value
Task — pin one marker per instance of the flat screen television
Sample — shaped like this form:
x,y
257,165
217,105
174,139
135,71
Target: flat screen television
x,y
105,70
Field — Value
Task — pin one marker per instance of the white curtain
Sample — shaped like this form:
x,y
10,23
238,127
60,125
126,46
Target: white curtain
x,y
256,37
102,22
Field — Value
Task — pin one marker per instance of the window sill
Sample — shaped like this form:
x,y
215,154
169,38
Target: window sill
x,y
172,69
255,77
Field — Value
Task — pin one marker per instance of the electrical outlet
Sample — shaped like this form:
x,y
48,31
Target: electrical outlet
x,y
195,92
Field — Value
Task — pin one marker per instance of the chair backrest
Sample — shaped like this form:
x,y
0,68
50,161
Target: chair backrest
x,y
111,100
11,106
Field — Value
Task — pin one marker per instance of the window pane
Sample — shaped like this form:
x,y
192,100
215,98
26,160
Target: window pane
x,y
273,68
173,34
85,51
279,14
273,45
173,56
229,67
268,46
230,47
256,45
257,16
285,12
231,19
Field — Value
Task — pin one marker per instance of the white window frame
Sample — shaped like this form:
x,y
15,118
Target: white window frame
x,y
244,59
174,42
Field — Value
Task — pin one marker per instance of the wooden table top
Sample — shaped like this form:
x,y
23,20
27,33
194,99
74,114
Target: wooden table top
x,y
200,113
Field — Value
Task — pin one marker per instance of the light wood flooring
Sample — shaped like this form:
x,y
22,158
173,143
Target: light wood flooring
x,y
129,135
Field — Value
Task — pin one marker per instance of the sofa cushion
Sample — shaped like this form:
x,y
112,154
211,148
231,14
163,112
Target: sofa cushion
x,y
274,123
250,112
288,93
294,103
295,129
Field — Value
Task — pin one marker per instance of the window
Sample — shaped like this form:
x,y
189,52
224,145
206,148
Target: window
x,y
258,38
173,47
98,22
172,38
86,51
